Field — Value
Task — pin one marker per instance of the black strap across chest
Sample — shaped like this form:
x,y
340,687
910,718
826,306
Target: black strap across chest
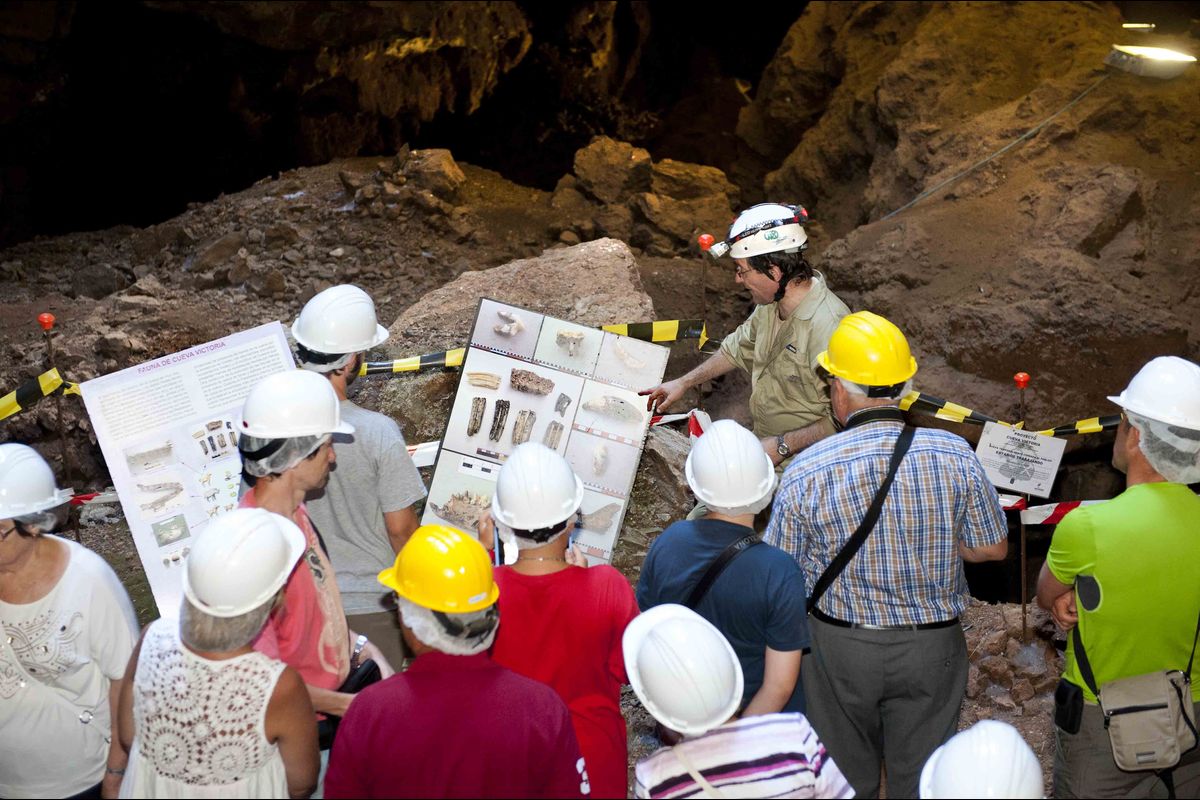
x,y
718,566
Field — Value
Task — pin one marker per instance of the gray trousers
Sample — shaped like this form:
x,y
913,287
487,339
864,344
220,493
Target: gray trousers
x,y
1084,766
884,696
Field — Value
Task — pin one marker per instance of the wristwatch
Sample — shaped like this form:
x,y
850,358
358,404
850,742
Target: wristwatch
x,y
359,644
782,447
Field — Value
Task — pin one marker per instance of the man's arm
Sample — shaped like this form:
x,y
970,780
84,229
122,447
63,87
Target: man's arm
x,y
666,394
798,439
1058,598
988,552
781,670
400,525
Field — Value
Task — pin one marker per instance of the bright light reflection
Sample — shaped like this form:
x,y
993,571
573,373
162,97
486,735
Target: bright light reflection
x,y
1153,53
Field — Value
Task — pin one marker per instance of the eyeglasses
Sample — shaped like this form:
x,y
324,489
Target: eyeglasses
x,y
5,534
475,629
742,272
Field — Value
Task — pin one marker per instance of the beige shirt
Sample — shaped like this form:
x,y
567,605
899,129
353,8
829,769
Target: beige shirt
x,y
781,356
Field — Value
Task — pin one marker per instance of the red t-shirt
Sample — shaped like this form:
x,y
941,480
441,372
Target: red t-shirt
x,y
456,726
308,631
564,629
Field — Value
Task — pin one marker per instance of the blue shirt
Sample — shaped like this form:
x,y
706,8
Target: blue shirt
x,y
909,570
756,603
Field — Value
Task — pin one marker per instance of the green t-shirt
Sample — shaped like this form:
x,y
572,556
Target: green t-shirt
x,y
1135,563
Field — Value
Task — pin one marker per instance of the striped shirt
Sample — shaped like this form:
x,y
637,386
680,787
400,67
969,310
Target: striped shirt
x,y
774,755
909,570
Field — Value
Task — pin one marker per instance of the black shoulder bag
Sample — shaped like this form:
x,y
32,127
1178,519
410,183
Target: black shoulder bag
x,y
718,566
851,547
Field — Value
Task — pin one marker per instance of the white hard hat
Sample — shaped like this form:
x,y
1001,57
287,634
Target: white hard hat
x,y
767,228
26,483
989,759
240,561
339,320
1167,389
728,469
292,403
682,669
536,489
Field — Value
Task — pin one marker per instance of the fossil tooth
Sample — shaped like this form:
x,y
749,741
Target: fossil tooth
x,y
485,380
463,509
523,426
530,382
553,435
627,358
478,406
570,340
600,519
615,407
600,459
512,326
499,418
561,404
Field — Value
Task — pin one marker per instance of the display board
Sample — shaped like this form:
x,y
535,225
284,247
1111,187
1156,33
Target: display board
x,y
1019,461
530,377
167,429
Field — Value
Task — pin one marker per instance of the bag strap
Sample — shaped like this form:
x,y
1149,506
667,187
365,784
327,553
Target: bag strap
x,y
851,547
718,566
1085,667
707,789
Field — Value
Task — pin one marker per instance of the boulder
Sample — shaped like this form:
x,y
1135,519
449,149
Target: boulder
x,y
611,171
98,280
684,181
215,252
435,170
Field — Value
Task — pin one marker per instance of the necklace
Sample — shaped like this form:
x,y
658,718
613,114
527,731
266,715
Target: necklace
x,y
542,558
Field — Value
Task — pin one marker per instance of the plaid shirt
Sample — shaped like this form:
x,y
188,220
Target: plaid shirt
x,y
908,571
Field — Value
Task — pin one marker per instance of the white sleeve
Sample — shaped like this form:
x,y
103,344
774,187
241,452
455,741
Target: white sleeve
x,y
112,624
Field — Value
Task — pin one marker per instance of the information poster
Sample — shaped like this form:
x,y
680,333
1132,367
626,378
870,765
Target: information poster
x,y
168,432
527,377
1019,461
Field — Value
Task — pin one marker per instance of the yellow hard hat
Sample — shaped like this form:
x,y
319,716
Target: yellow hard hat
x,y
443,570
869,350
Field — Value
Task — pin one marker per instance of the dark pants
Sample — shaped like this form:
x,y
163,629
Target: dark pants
x,y
1084,766
890,696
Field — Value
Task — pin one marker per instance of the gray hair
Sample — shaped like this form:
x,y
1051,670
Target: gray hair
x,y
291,451
1173,451
862,390
39,521
425,626
201,631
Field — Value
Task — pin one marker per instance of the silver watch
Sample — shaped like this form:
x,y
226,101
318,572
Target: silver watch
x,y
781,447
359,644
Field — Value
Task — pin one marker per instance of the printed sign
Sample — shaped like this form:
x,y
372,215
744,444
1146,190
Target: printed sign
x,y
527,377
167,429
1019,461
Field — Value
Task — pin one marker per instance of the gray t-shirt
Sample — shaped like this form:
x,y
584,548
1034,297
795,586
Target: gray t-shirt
x,y
374,474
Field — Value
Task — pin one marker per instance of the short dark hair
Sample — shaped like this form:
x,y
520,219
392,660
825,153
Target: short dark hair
x,y
793,266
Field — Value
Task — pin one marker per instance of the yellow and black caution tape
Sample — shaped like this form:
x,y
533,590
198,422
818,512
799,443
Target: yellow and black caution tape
x,y
33,390
943,409
663,330
1089,425
666,330
444,360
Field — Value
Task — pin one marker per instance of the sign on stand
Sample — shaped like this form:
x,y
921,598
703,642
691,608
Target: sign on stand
x,y
527,377
1020,461
168,432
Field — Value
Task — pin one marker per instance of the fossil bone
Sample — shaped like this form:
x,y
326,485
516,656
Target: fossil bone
x,y
170,491
486,380
600,519
553,435
523,426
530,382
478,406
512,325
570,340
463,509
627,358
600,459
615,407
561,404
499,418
